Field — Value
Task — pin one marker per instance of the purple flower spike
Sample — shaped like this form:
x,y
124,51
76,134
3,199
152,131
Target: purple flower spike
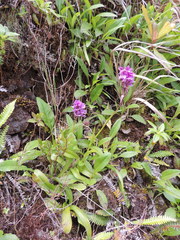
x,y
79,109
126,75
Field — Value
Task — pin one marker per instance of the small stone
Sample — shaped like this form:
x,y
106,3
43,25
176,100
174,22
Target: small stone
x,y
13,143
18,121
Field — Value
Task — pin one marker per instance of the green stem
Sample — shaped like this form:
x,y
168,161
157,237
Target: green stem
x,y
106,123
66,167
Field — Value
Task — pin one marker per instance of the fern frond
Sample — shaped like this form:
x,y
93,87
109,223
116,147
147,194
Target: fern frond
x,y
161,154
160,162
159,220
167,227
3,138
7,111
176,225
97,219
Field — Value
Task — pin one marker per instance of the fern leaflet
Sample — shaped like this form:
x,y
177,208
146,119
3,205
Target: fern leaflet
x,y
161,154
6,113
2,138
159,220
98,220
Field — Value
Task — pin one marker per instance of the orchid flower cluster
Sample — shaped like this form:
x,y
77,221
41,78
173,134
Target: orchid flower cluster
x,y
79,109
126,75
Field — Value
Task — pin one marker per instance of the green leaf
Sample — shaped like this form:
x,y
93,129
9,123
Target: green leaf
x,y
79,93
71,154
168,190
176,85
7,111
104,213
31,145
12,165
78,176
177,111
134,105
102,161
104,140
121,174
68,178
66,220
115,128
68,194
161,58
98,32
95,6
87,4
46,112
161,128
128,154
86,54
174,192
59,4
69,121
148,21
103,236
171,212
161,154
83,66
102,198
43,181
160,162
147,168
128,25
85,27
155,138
96,92
108,112
3,138
26,156
82,219
74,18
112,26
137,165
170,173
159,220
78,186
106,14
139,118
52,204
9,236
98,219
172,231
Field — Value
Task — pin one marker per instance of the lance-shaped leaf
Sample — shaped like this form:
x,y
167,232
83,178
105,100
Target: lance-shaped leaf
x,y
82,219
167,27
46,112
115,128
43,181
103,236
149,23
11,165
102,198
66,220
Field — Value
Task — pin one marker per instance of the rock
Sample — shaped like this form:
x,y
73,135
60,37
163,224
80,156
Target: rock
x,y
18,121
13,143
